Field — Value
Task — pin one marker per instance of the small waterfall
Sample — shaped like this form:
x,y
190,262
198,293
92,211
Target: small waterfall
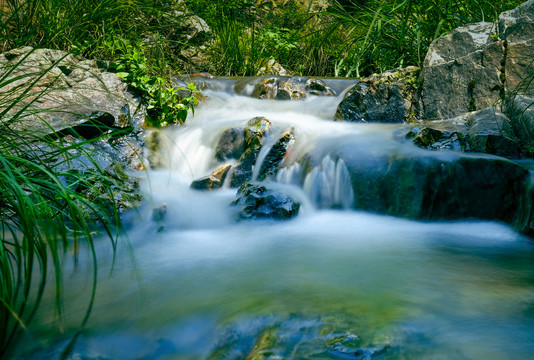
x,y
190,152
329,185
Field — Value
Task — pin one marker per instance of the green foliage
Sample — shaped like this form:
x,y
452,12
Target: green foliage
x,y
44,208
386,34
84,24
247,36
227,10
519,107
165,104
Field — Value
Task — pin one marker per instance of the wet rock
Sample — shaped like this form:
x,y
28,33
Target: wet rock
x,y
485,131
434,137
266,88
153,144
292,88
276,155
258,202
319,88
159,213
388,98
439,185
256,128
254,132
213,181
358,353
231,144
245,167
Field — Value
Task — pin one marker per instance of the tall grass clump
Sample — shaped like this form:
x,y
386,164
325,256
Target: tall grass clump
x,y
386,34
45,212
247,34
518,105
86,25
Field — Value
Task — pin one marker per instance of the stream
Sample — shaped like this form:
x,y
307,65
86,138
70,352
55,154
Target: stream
x,y
331,283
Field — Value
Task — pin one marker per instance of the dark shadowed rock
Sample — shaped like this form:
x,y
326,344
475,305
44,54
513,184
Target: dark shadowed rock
x,y
388,98
231,144
254,132
258,202
276,154
438,185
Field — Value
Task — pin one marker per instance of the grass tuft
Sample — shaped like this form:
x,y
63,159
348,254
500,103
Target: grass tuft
x,y
44,208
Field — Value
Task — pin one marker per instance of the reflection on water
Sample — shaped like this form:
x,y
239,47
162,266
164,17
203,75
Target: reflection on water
x,y
330,284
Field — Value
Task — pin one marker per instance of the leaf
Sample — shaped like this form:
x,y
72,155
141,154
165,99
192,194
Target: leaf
x,y
123,75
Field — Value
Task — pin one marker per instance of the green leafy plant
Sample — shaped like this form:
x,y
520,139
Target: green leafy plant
x,y
165,103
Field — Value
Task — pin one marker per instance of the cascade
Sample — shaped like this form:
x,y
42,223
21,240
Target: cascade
x,y
355,274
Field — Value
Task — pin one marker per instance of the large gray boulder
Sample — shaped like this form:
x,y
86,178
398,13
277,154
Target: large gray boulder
x,y
63,101
477,65
462,72
66,91
516,28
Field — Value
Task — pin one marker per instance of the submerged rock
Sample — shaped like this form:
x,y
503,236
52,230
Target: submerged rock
x,y
231,144
439,185
487,131
258,202
276,155
213,181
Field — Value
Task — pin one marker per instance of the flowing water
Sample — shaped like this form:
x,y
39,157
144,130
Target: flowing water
x,y
328,284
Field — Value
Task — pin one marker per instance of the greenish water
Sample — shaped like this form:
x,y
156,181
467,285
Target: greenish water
x,y
318,287
325,285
